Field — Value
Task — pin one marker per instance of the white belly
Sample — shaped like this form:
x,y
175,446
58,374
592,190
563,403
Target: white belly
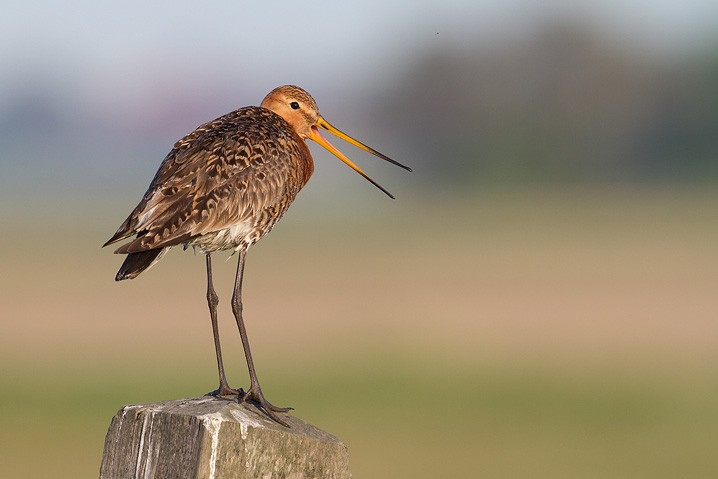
x,y
239,236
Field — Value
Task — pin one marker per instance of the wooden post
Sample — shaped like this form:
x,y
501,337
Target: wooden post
x,y
209,438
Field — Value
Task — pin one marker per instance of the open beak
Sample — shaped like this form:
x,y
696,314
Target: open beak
x,y
319,138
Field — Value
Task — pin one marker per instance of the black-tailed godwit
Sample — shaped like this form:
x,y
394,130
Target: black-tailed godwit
x,y
224,186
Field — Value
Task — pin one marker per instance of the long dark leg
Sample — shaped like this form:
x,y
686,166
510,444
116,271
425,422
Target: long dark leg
x,y
255,392
213,301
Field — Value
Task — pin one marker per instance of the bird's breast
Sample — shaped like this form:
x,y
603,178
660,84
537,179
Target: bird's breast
x,y
307,163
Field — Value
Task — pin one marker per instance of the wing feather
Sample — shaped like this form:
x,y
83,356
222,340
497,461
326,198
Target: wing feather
x,y
240,168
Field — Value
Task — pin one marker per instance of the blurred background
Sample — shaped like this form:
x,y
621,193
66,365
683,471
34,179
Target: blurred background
x,y
540,300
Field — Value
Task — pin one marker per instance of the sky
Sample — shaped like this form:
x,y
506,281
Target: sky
x,y
87,44
155,70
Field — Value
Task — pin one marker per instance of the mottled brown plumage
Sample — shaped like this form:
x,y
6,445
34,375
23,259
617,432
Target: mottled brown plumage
x,y
224,186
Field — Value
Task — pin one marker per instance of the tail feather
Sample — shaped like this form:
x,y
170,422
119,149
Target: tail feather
x,y
135,263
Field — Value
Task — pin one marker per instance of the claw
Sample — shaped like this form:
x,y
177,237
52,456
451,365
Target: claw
x,y
256,396
225,391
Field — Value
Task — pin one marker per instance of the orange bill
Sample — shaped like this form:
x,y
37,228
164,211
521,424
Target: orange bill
x,y
319,138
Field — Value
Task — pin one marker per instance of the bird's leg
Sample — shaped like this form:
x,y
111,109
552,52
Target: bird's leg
x,y
255,391
213,301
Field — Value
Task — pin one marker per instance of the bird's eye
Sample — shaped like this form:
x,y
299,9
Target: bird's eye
x,y
294,105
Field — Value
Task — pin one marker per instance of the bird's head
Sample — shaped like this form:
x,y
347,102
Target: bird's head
x,y
299,109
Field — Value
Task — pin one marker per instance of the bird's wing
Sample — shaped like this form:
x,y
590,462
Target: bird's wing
x,y
223,178
178,167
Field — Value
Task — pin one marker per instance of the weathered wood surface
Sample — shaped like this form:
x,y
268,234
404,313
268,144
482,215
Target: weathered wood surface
x,y
209,438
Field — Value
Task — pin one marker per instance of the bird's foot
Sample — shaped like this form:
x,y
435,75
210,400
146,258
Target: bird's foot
x,y
255,395
225,391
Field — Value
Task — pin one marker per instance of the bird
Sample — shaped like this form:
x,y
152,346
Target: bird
x,y
223,187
